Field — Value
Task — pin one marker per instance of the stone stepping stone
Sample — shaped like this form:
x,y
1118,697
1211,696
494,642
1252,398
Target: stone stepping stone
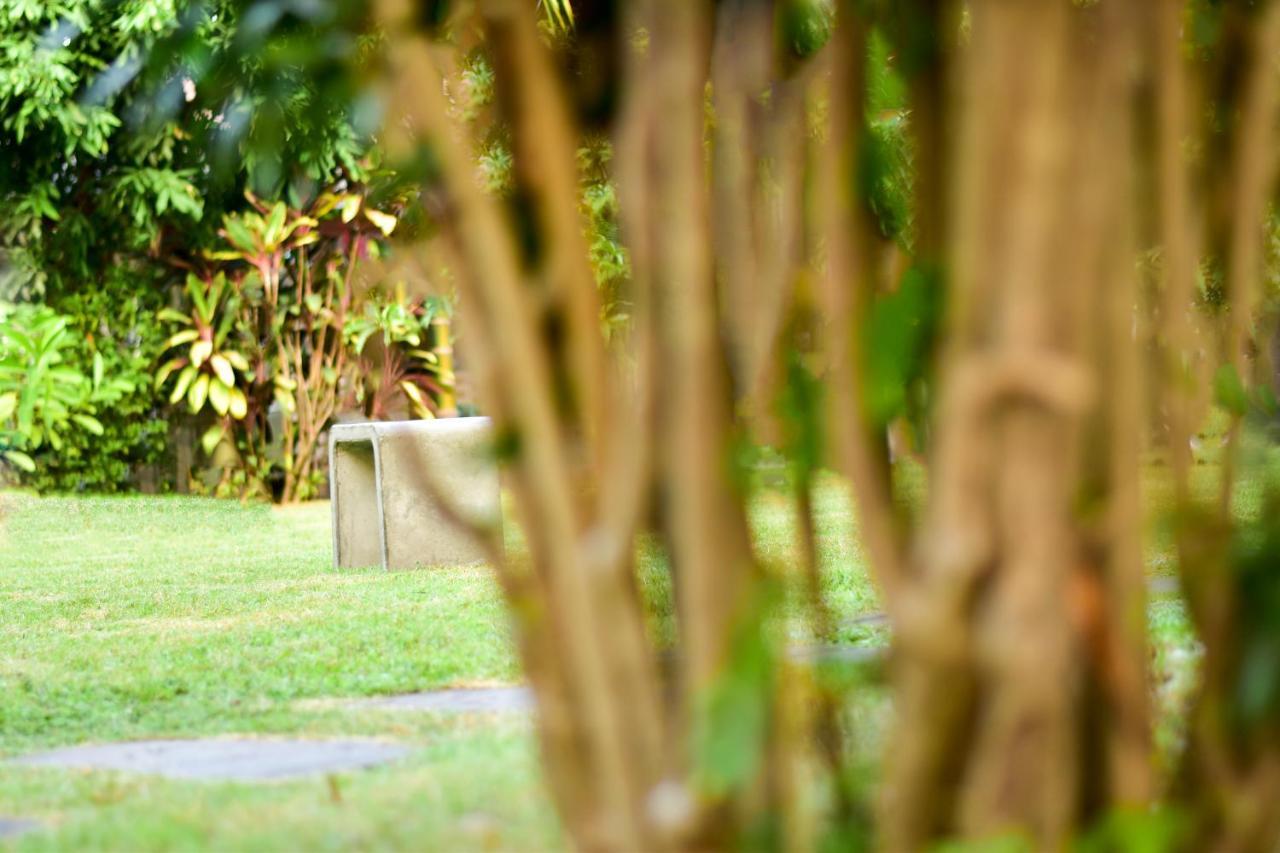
x,y
231,759
461,700
12,826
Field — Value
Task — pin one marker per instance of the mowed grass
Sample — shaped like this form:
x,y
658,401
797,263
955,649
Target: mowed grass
x,y
146,617
125,618
129,616
158,617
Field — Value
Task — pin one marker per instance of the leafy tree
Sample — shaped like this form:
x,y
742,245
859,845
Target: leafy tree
x,y
138,124
114,323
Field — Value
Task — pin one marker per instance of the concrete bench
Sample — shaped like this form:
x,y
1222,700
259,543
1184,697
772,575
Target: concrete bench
x,y
383,512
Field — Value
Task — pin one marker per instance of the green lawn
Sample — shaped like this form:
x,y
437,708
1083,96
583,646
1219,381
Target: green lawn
x,y
144,617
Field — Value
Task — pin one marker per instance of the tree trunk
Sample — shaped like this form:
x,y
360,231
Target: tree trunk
x,y
1020,668
1021,689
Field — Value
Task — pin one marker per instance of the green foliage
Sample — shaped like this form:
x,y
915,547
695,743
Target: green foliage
x,y
1229,391
270,325
1257,403
801,406
140,123
176,605
1154,831
405,363
208,370
806,25
559,14
84,193
1255,560
599,199
732,728
900,331
1211,286
114,323
609,259
42,399
477,85
496,167
396,318
885,171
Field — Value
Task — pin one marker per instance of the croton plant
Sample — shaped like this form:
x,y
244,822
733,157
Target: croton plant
x,y
276,317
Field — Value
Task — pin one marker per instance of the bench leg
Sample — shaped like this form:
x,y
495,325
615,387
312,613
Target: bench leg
x,y
359,534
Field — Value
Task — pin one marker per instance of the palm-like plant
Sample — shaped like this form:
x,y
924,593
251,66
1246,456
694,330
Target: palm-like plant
x,y
209,370
262,237
415,360
271,324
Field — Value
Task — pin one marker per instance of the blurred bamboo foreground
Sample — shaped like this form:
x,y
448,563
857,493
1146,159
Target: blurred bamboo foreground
x,y
1051,142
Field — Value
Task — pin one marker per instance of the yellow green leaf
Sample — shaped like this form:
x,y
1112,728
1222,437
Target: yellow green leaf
x,y
350,206
275,224
385,222
416,400
18,459
220,396
238,361
199,391
238,406
88,422
172,316
211,438
186,336
200,350
222,368
560,14
184,382
168,369
325,203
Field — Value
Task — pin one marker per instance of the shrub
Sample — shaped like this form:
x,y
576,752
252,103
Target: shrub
x,y
402,352
43,400
268,326
115,323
